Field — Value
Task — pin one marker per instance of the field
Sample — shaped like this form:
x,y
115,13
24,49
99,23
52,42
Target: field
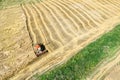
x,y
84,63
65,27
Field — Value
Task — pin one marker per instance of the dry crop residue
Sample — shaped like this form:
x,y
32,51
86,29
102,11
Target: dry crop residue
x,y
64,27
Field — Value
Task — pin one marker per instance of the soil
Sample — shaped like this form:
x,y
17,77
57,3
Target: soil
x,y
108,70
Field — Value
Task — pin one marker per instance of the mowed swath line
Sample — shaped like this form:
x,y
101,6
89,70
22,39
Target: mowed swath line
x,y
96,20
98,8
90,9
38,25
83,18
29,26
113,9
39,9
85,26
110,3
43,29
84,10
107,10
53,43
32,23
104,9
87,11
94,7
72,18
35,24
69,27
62,26
51,23
76,18
63,33
115,4
110,10
66,16
80,14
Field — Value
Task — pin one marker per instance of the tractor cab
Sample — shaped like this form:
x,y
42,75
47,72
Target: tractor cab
x,y
40,49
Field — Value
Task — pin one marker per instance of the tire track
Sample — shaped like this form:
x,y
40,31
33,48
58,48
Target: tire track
x,y
49,38
87,26
76,18
28,23
64,35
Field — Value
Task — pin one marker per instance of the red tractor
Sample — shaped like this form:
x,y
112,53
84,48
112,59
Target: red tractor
x,y
39,49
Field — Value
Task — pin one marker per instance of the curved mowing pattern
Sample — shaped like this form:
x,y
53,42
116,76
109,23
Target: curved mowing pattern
x,y
55,23
65,27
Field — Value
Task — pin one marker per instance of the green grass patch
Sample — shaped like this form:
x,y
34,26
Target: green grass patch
x,y
83,63
80,66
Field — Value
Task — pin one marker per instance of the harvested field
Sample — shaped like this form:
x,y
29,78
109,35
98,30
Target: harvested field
x,y
113,73
65,27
